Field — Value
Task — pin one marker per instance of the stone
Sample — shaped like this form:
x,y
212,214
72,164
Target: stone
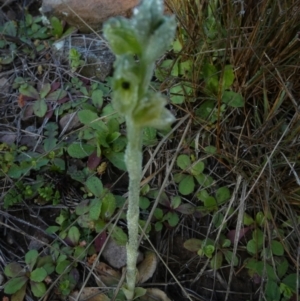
x,y
98,58
116,254
88,15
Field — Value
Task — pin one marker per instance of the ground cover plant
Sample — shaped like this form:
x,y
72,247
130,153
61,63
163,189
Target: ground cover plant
x,y
219,191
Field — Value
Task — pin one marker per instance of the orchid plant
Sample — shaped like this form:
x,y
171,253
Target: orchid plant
x,y
137,43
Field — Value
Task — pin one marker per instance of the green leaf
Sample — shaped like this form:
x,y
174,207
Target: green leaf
x,y
38,275
20,294
197,168
175,201
204,180
158,213
177,95
229,256
260,218
210,203
258,236
95,186
252,247
38,288
57,28
45,90
228,77
14,284
40,107
97,98
144,203
193,244
79,252
87,116
218,219
80,150
233,99
282,267
117,233
183,161
13,269
149,136
205,110
172,218
163,70
29,91
61,267
186,209
210,76
210,149
291,281
272,291
158,226
117,159
247,219
57,95
208,250
82,207
216,261
138,292
10,28
31,258
95,209
108,206
73,236
187,185
222,195
177,47
47,263
277,248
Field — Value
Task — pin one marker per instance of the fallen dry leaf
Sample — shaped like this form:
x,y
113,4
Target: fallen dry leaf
x,y
154,294
89,294
107,275
147,267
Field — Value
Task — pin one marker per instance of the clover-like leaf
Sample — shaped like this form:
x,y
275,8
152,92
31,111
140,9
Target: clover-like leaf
x,y
193,244
40,108
216,261
187,185
118,234
95,186
277,248
233,99
13,269
183,161
31,258
222,195
38,288
73,236
29,91
108,206
38,275
14,284
95,209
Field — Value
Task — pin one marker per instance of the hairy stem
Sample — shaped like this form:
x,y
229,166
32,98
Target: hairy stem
x,y
133,159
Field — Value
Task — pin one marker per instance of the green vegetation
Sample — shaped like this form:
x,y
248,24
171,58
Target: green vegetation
x,y
217,191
